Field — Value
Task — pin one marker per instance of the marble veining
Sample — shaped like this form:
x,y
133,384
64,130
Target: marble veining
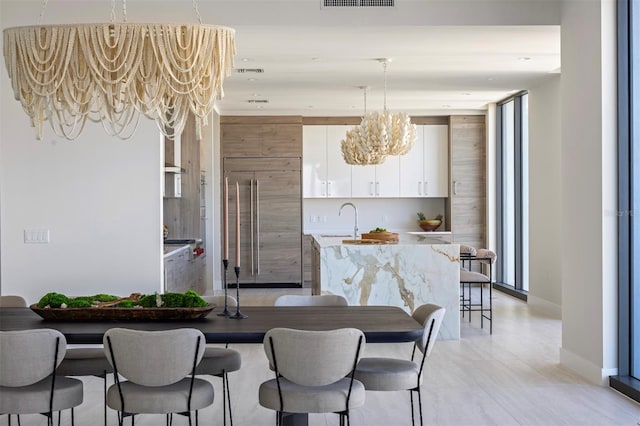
x,y
408,274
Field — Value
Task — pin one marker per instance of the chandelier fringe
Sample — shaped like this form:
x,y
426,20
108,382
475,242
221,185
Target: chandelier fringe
x,y
112,73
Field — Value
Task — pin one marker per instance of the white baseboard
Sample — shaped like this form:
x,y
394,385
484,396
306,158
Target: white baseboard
x,y
544,306
588,370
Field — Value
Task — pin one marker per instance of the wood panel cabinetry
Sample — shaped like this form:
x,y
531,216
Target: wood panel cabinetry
x,y
466,205
278,136
263,154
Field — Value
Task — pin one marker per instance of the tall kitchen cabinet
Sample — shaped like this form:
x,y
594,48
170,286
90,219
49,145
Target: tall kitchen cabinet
x,y
466,205
263,155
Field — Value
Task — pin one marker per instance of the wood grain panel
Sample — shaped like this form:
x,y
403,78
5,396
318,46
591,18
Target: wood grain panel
x,y
261,140
182,215
430,120
466,206
261,164
323,121
261,119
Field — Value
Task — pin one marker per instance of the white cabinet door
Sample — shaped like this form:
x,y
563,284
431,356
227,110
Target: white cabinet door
x,y
363,181
338,172
412,169
436,161
387,182
314,161
376,181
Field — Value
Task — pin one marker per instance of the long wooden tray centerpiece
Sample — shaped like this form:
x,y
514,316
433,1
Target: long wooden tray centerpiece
x,y
136,307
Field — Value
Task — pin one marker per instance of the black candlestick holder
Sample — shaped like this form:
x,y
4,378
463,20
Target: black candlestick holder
x,y
226,312
238,314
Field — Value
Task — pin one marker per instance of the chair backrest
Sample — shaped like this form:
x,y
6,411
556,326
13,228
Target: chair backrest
x,y
486,256
11,301
154,358
466,250
219,301
314,358
430,316
304,300
27,356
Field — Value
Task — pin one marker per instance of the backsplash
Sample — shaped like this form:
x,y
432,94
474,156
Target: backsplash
x,y
394,214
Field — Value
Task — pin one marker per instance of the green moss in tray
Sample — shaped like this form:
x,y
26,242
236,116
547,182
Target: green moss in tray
x,y
53,300
79,302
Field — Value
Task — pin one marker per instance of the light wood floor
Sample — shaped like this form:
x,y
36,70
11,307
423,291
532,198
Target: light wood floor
x,y
512,377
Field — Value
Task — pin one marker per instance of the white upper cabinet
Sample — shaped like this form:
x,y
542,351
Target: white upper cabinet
x,y
314,161
338,172
324,172
424,171
376,181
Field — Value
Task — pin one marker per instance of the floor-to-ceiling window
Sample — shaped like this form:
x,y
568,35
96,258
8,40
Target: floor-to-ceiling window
x,y
512,191
628,380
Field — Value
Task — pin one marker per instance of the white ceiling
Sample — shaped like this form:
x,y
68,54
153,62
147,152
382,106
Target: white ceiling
x,y
317,71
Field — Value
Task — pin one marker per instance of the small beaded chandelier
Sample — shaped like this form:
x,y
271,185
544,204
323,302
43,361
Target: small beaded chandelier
x,y
113,72
379,134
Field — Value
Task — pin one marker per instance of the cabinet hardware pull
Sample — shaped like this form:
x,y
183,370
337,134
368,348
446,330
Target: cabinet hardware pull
x,y
419,188
371,188
377,188
328,189
455,187
426,188
258,225
251,222
324,190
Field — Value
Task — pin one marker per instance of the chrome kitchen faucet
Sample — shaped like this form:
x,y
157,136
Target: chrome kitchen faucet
x,y
355,209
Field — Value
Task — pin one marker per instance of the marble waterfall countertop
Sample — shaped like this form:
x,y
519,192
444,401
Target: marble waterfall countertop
x,y
417,270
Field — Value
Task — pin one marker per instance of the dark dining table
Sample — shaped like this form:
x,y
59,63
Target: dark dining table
x,y
380,324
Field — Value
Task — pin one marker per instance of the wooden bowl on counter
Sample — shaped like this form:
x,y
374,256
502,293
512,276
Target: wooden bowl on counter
x,y
389,237
429,225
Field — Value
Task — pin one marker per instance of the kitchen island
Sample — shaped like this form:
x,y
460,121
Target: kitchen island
x,y
415,271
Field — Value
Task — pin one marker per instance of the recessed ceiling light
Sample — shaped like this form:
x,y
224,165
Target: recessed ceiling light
x,y
255,95
251,79
309,106
490,78
245,59
524,58
259,107
446,106
465,94
315,58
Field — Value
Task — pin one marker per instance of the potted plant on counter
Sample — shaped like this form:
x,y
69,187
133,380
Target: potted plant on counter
x,y
429,225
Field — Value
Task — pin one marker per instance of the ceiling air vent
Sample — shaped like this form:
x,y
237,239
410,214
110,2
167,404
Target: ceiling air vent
x,y
358,3
249,70
258,101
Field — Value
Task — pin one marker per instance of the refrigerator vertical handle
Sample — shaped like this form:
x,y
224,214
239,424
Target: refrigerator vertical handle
x,y
258,226
251,222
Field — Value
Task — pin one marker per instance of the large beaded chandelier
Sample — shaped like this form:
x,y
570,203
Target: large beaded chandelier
x,y
114,72
379,134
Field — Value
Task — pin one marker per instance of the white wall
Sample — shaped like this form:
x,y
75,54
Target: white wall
x,y
588,232
98,196
545,197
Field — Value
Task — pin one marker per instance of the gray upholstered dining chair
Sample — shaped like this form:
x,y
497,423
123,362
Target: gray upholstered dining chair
x,y
478,272
28,380
219,361
314,372
87,361
12,301
305,300
392,374
159,368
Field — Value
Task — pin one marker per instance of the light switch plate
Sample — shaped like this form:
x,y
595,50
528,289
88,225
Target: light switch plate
x,y
36,236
